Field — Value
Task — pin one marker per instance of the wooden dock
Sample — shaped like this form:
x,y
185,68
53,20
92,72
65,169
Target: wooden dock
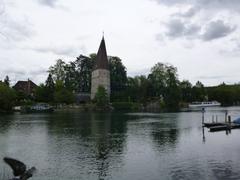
x,y
213,127
219,126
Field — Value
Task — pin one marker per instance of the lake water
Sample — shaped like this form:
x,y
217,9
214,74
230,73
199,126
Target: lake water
x,y
121,146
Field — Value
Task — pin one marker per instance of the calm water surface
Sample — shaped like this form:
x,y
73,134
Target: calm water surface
x,y
130,146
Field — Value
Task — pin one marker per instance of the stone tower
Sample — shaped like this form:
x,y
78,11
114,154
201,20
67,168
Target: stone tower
x,y
101,73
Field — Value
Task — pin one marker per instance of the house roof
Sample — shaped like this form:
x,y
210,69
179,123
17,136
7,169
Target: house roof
x,y
25,83
25,86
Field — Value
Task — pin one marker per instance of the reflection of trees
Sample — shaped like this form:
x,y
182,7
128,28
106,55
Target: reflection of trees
x,y
165,133
93,140
165,136
6,122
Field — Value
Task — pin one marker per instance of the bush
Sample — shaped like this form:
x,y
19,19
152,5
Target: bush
x,y
126,106
101,97
7,97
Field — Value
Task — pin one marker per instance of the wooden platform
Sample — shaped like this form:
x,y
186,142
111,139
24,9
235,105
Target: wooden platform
x,y
221,126
208,125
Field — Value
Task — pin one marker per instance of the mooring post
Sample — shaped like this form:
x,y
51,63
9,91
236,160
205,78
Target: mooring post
x,y
229,119
204,138
203,111
226,116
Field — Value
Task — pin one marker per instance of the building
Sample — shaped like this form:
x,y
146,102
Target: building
x,y
101,73
26,87
82,98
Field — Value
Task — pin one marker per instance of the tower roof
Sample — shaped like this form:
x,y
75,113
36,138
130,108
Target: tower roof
x,y
102,60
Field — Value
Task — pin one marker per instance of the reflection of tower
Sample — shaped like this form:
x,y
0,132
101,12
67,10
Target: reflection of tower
x,y
101,127
108,131
101,73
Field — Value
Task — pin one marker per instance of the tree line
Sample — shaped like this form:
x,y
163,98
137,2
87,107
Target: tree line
x,y
161,85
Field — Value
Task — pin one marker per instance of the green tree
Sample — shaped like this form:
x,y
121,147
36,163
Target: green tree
x,y
138,89
71,76
7,81
186,91
45,93
101,97
42,93
63,95
172,94
199,92
118,78
49,82
7,97
165,84
158,77
84,67
58,70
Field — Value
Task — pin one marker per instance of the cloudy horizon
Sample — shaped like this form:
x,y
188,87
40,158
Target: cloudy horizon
x,y
199,37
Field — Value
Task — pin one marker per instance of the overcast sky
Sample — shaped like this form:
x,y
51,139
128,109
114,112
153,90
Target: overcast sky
x,y
200,37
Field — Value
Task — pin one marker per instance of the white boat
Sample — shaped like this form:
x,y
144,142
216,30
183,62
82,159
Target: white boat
x,y
204,104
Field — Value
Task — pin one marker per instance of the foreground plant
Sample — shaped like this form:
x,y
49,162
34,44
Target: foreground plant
x,y
20,171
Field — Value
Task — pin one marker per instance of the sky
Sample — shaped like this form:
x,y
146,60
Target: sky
x,y
199,37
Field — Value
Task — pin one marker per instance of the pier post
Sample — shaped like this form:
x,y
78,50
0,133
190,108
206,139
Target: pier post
x,y
226,116
203,111
229,119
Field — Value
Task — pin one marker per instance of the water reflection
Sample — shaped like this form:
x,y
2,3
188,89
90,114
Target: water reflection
x,y
94,140
165,132
77,145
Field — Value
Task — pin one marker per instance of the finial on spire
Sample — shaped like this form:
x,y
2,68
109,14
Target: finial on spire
x,y
103,34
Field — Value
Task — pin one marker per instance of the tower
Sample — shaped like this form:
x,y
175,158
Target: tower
x,y
101,73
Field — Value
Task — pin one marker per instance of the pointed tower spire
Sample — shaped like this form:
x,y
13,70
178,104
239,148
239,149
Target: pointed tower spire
x,y
101,73
102,60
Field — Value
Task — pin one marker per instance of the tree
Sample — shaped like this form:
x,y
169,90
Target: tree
x,y
186,91
172,94
45,93
7,81
165,84
118,77
63,95
42,94
71,77
58,70
7,97
49,82
158,77
198,92
101,97
138,89
84,67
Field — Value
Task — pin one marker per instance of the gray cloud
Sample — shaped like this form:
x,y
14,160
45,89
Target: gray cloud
x,y
16,30
61,50
178,28
16,74
189,13
215,4
50,3
13,28
232,50
212,77
217,29
144,71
